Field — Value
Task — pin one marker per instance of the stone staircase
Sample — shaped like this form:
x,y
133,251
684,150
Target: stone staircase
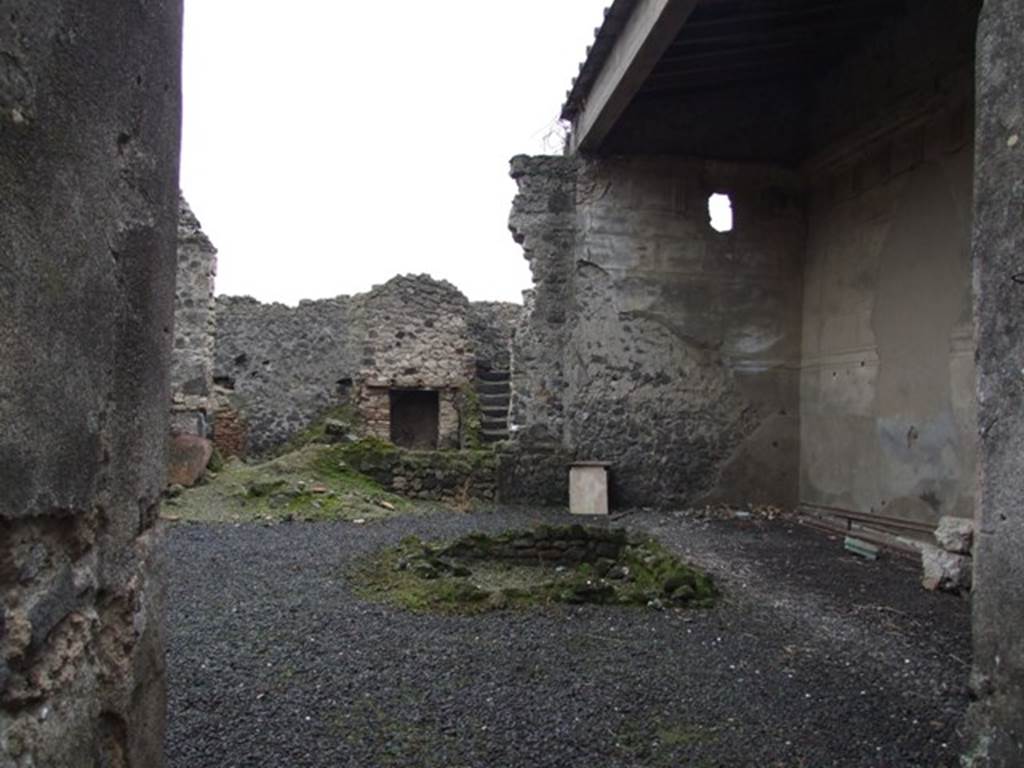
x,y
494,390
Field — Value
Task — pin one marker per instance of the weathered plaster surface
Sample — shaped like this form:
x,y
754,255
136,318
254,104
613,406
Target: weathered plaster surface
x,y
833,324
684,342
654,342
89,122
887,387
997,716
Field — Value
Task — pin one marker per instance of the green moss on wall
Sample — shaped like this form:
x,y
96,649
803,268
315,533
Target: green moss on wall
x,y
470,418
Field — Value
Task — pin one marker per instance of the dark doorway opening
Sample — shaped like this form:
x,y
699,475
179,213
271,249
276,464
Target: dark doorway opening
x,y
414,418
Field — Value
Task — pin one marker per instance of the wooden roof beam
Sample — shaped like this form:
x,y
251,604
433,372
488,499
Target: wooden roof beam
x,y
650,30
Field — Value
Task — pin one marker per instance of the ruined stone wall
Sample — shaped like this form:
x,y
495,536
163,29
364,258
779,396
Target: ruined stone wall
x,y
416,334
887,389
194,325
89,122
684,340
654,342
450,476
288,365
543,221
534,466
491,325
284,364
996,721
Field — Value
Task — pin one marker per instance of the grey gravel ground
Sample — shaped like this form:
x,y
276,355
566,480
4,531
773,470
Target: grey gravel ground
x,y
814,658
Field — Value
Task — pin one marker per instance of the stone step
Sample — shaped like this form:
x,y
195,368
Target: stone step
x,y
493,435
492,387
494,401
492,376
495,411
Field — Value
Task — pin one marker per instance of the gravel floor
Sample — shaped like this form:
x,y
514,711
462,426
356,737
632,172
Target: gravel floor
x,y
815,658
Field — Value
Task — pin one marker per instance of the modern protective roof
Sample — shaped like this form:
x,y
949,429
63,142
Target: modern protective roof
x,y
725,42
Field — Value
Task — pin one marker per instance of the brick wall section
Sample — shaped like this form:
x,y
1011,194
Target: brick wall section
x,y
231,436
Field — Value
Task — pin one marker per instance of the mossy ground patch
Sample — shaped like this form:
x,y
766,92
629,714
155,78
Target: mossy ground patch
x,y
312,483
545,565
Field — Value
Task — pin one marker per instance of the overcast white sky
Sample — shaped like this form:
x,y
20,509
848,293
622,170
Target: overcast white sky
x,y
331,144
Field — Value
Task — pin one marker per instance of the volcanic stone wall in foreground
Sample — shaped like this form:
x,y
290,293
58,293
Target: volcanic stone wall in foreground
x,y
89,125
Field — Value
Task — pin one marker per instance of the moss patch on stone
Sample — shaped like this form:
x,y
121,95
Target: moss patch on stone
x,y
517,569
369,454
471,418
312,483
330,427
431,475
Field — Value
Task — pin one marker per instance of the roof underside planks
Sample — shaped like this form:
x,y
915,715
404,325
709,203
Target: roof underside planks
x,y
716,43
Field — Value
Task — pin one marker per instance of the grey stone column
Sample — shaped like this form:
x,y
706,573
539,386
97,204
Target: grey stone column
x,y
997,716
89,135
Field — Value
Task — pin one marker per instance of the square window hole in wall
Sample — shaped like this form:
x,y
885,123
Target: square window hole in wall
x,y
720,214
414,418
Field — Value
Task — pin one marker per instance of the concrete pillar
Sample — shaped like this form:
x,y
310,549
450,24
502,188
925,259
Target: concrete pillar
x,y
997,716
89,135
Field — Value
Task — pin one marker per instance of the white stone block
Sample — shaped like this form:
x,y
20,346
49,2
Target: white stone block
x,y
588,488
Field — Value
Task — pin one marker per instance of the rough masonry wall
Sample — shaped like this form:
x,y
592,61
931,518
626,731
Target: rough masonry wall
x,y
416,334
887,390
284,363
652,341
416,337
491,325
288,365
194,325
997,717
534,466
684,340
89,123
543,221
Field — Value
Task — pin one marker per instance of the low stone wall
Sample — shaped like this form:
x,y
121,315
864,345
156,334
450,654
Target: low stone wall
x,y
529,474
559,545
429,475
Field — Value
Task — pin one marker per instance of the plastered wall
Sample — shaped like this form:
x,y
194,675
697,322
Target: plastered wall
x,y
887,384
685,341
654,342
